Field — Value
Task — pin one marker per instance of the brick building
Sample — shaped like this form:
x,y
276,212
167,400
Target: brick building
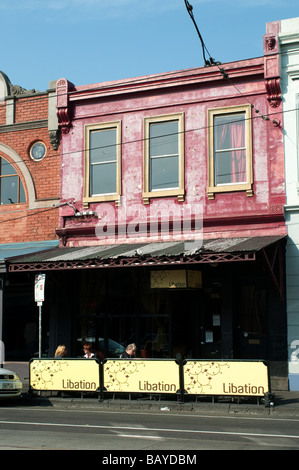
x,y
29,192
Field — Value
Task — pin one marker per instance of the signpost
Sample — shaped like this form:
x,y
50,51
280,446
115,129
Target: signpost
x,y
39,294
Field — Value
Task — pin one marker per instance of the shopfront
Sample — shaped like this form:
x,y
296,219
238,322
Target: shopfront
x,y
213,305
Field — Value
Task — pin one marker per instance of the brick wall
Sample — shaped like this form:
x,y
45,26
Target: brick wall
x,y
32,108
18,223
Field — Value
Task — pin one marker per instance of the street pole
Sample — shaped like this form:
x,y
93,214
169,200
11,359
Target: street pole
x,y
40,329
39,289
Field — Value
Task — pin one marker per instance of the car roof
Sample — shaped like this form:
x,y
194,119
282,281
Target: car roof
x,y
6,371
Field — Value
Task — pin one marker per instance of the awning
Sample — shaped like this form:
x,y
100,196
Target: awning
x,y
143,254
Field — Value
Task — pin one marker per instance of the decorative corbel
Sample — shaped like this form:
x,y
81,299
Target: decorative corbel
x,y
63,87
54,139
273,92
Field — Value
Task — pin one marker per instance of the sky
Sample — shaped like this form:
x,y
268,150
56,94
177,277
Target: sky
x,y
93,41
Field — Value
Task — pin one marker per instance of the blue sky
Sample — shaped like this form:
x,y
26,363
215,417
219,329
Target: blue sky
x,y
91,41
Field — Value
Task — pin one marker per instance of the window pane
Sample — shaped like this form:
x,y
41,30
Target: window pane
x,y
22,193
9,184
103,179
230,149
7,168
164,138
102,145
9,190
229,131
164,173
230,167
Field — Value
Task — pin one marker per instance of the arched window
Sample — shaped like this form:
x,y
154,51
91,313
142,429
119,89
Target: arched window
x,y
11,187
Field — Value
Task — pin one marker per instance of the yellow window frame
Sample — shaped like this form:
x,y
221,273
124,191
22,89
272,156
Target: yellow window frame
x,y
176,192
247,186
111,197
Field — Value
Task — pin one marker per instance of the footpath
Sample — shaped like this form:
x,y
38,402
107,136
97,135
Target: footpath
x,y
283,404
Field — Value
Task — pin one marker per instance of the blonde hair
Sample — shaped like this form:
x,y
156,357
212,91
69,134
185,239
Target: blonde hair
x,y
60,351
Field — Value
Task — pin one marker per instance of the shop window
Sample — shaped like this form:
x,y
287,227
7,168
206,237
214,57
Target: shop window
x,y
102,181
230,150
11,187
163,157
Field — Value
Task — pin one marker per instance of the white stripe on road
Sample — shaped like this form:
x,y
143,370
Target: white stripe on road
x,y
129,428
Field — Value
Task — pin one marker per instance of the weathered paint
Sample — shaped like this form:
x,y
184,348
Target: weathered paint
x,y
192,92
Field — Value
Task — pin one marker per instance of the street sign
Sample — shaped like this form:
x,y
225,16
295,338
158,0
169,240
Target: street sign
x,y
39,287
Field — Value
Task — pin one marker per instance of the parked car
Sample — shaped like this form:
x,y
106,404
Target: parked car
x,y
10,384
114,349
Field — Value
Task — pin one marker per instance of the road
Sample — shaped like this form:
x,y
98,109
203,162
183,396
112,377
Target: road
x,y
35,428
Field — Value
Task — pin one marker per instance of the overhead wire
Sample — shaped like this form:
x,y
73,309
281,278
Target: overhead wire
x,y
209,62
106,85
185,131
38,211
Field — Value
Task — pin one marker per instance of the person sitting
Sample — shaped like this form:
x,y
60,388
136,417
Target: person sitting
x,y
130,351
60,352
88,353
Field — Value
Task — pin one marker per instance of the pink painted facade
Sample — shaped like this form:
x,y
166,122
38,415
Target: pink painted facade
x,y
253,211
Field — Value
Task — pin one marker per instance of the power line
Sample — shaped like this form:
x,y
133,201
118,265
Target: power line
x,y
38,211
84,149
116,83
211,61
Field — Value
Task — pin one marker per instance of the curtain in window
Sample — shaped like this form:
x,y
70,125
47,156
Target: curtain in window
x,y
230,149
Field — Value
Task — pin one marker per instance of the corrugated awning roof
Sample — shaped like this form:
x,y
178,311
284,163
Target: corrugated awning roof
x,y
8,250
220,249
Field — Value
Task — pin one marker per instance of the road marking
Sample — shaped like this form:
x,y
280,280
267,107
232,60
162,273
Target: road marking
x,y
142,429
138,436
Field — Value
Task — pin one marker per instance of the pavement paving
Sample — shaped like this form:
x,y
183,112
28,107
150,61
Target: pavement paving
x,y
284,404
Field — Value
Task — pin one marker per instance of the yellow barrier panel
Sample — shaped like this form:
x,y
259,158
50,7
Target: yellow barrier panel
x,y
147,376
141,376
226,378
64,375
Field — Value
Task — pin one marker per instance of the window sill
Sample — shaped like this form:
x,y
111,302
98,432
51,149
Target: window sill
x,y
212,190
180,194
98,199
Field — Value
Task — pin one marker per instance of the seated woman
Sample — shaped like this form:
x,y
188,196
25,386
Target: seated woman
x,y
60,352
